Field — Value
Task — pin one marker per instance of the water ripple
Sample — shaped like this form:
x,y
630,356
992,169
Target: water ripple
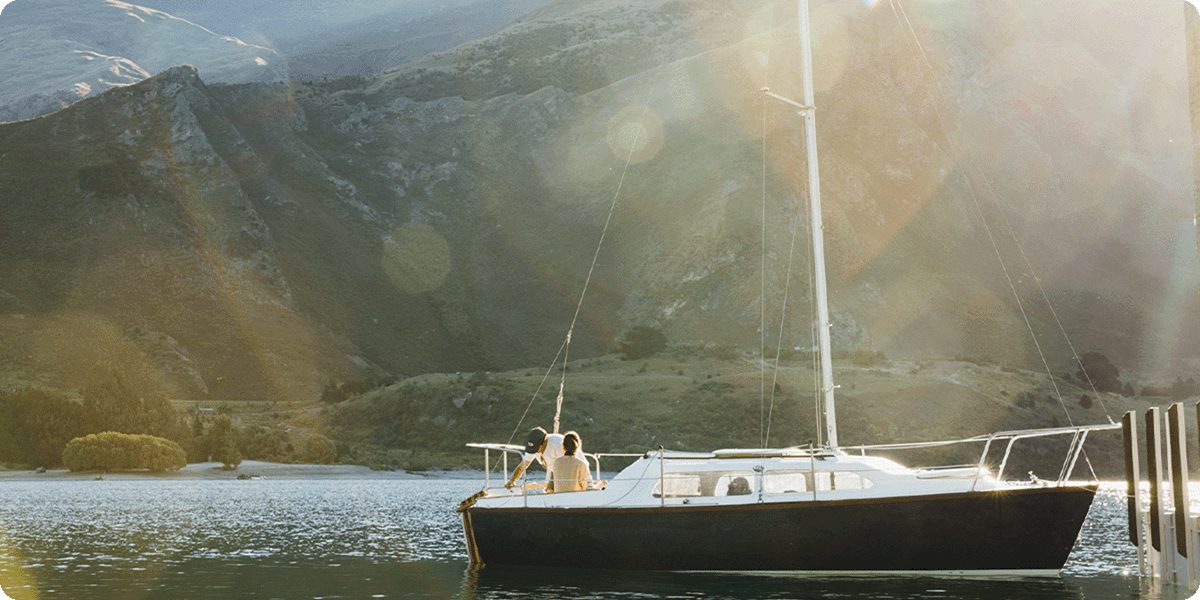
x,y
395,538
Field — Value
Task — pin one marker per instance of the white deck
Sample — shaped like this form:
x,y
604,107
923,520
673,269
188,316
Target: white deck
x,y
771,476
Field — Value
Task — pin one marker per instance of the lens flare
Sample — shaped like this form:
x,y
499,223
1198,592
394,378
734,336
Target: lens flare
x,y
415,258
635,134
13,573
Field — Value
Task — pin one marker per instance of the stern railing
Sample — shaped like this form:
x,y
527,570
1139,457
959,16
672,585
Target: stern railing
x,y
1079,435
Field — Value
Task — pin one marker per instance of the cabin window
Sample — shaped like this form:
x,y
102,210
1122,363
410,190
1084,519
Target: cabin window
x,y
827,481
787,482
692,485
784,482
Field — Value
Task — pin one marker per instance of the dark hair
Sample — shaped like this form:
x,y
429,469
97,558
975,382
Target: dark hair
x,y
570,443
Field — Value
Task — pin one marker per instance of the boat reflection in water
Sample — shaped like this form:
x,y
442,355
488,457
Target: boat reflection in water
x,y
564,584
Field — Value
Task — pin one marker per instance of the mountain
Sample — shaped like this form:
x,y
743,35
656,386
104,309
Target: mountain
x,y
400,36
54,52
335,38
269,240
288,25
58,52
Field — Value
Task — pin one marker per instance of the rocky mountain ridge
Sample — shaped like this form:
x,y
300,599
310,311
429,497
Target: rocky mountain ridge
x,y
270,240
54,53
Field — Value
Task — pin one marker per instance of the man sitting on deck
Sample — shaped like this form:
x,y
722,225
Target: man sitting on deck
x,y
540,446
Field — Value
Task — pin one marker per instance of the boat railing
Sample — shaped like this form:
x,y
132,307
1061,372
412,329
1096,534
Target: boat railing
x,y
526,486
1078,435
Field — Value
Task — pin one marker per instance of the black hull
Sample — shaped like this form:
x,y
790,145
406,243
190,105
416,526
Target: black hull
x,y
1027,530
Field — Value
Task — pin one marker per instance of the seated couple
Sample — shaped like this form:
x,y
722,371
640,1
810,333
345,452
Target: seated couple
x,y
566,469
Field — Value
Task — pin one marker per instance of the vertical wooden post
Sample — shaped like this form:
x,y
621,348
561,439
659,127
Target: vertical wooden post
x,y
1179,485
1155,473
1133,480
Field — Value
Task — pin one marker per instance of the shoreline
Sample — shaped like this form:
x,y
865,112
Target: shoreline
x,y
252,468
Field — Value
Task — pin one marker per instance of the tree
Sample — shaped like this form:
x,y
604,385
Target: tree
x,y
319,450
642,342
223,443
13,446
109,394
262,443
42,424
1102,374
1183,389
159,417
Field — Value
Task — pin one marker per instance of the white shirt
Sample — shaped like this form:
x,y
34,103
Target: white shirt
x,y
552,452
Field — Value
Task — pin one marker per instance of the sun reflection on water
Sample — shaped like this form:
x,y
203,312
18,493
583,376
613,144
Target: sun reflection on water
x,y
400,538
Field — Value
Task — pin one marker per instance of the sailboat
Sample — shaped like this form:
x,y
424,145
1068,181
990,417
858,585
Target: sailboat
x,y
815,509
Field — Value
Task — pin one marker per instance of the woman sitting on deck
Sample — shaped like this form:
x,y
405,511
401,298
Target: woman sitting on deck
x,y
569,473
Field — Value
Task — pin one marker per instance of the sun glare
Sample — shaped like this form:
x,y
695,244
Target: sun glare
x,y
635,134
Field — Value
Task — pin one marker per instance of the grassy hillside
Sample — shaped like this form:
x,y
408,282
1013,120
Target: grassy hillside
x,y
697,399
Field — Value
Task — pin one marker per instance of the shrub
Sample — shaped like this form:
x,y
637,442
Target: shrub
x,y
1026,400
110,451
867,358
642,342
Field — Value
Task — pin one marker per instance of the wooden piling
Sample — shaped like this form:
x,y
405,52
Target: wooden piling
x,y
1167,541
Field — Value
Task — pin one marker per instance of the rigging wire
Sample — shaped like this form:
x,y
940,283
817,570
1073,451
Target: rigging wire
x,y
818,418
537,391
1046,298
564,349
762,270
787,285
595,258
765,430
765,421
995,247
899,12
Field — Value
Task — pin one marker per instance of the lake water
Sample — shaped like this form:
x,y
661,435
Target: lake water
x,y
400,538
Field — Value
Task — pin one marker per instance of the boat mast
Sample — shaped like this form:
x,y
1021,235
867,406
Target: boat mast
x,y
818,237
